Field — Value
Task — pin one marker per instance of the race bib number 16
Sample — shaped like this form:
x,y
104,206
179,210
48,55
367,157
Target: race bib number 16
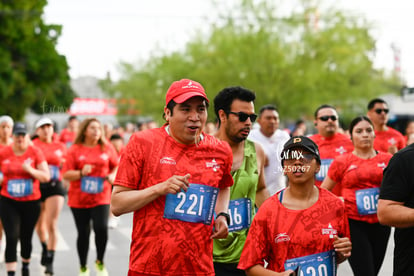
x,y
195,205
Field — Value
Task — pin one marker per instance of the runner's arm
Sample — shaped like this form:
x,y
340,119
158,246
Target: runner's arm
x,y
261,193
328,183
221,229
125,200
394,213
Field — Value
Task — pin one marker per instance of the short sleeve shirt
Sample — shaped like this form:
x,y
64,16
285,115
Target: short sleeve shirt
x,y
162,246
278,234
11,166
103,161
329,148
356,174
54,152
385,139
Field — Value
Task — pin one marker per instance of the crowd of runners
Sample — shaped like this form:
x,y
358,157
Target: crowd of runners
x,y
233,196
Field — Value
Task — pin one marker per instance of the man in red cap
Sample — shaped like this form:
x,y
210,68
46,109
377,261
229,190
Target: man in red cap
x,y
173,178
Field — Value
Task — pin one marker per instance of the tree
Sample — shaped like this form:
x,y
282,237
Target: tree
x,y
32,73
289,60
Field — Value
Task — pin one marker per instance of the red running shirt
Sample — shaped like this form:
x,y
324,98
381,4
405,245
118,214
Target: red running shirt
x,y
54,153
163,246
385,139
102,161
329,148
67,137
11,167
356,174
278,234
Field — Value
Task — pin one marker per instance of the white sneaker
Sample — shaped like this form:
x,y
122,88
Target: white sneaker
x,y
101,270
113,222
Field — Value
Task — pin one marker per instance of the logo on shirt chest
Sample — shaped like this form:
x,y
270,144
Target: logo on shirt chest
x,y
58,153
167,161
104,156
213,164
392,141
381,165
282,237
352,167
329,231
340,150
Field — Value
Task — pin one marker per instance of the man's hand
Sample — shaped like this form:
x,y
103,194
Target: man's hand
x,y
221,229
175,184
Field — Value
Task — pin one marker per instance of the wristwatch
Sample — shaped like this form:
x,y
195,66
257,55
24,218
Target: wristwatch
x,y
227,216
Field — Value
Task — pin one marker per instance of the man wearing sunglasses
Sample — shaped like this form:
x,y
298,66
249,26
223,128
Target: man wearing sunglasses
x,y
387,139
331,143
272,139
234,108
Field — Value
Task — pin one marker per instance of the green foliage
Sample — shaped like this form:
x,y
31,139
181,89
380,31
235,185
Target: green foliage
x,y
32,73
290,61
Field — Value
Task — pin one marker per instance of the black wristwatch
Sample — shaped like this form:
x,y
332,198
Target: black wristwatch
x,y
227,216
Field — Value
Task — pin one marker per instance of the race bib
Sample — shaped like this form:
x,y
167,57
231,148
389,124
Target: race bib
x,y
323,172
195,205
367,201
54,172
20,187
92,185
240,211
321,264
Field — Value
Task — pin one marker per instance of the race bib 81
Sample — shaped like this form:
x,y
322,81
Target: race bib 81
x,y
367,201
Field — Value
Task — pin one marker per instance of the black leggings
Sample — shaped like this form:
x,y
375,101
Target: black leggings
x,y
19,219
99,216
369,244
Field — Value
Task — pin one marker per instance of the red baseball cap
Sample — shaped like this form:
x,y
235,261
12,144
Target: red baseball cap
x,y
182,90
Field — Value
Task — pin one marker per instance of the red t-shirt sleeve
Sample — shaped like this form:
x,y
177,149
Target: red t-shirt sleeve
x,y
256,246
336,170
130,165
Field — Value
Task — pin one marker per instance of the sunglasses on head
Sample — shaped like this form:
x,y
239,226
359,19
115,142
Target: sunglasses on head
x,y
243,116
380,110
326,118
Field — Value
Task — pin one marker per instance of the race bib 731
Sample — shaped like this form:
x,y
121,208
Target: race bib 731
x,y
92,184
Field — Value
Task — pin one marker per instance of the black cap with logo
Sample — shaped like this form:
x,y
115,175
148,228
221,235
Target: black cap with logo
x,y
302,142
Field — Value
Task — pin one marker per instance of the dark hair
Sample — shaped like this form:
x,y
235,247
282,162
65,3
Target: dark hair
x,y
356,120
170,106
372,103
73,117
115,136
80,137
225,98
322,107
267,107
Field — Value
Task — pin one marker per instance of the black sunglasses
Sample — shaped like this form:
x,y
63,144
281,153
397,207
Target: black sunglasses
x,y
326,118
379,110
243,116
